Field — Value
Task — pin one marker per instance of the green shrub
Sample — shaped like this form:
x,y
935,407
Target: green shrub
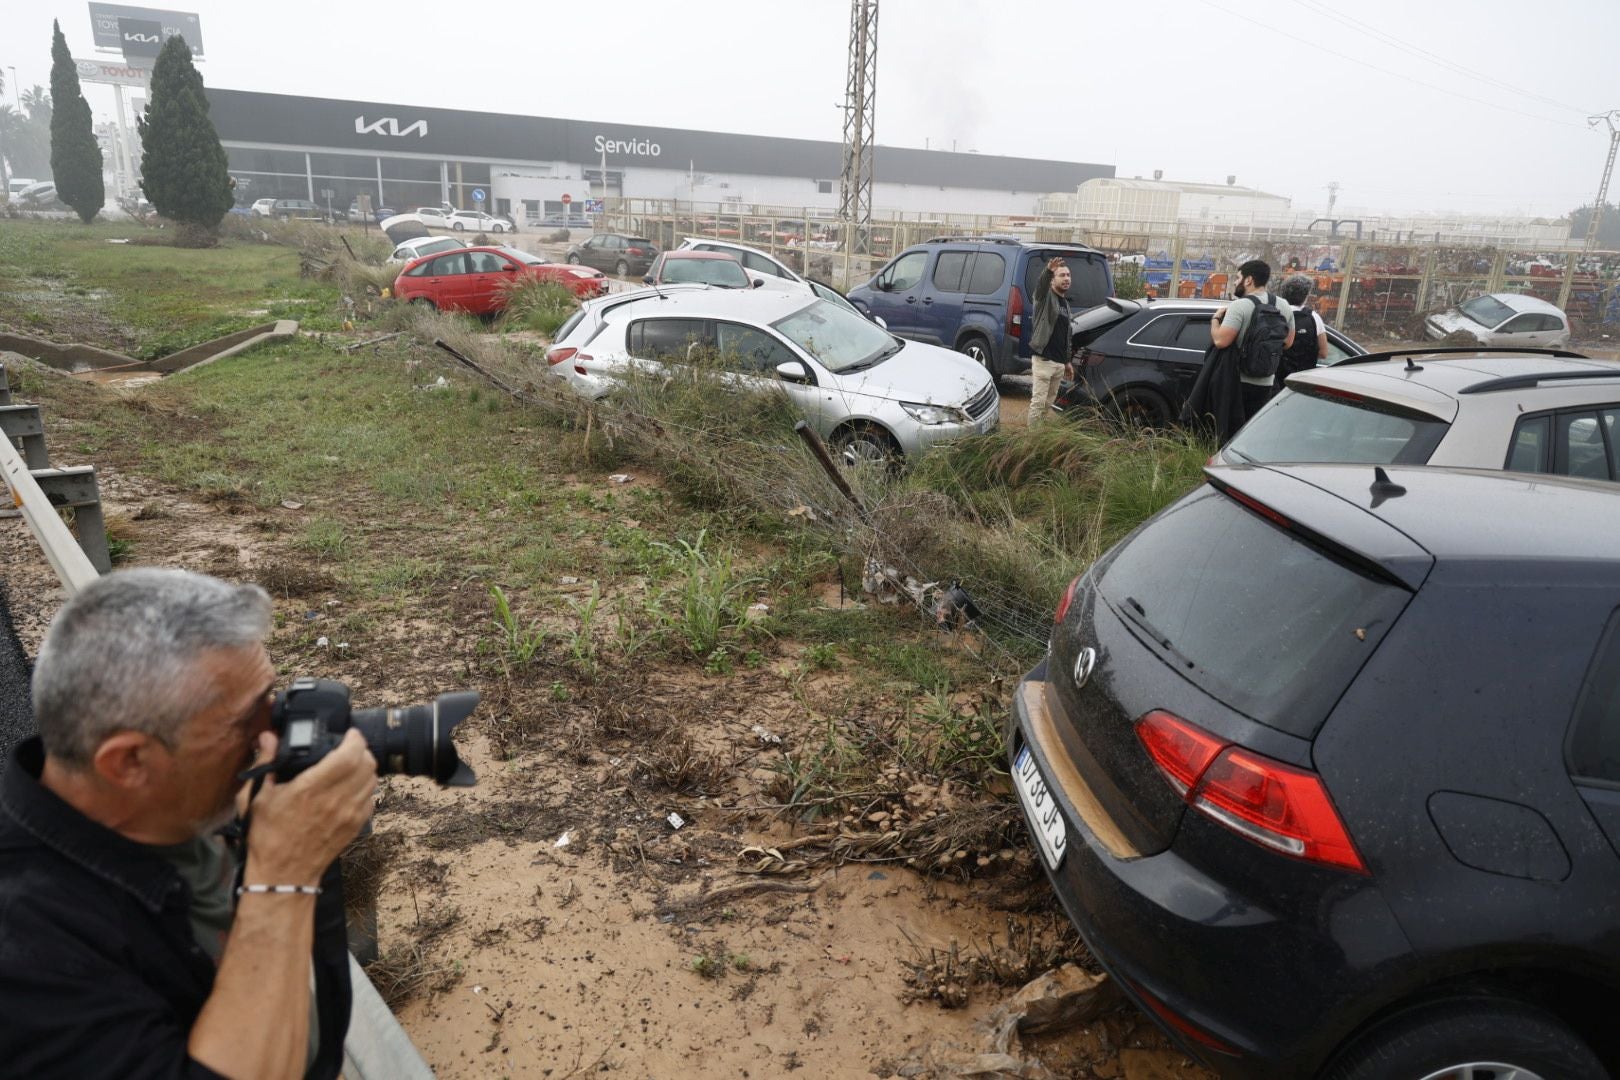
x,y
541,306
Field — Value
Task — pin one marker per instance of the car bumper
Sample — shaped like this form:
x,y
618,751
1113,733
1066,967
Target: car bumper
x,y
1270,987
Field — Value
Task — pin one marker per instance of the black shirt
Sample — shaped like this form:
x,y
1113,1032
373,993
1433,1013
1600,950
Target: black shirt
x,y
100,974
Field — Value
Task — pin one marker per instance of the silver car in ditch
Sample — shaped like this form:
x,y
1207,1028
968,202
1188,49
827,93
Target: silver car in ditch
x,y
1506,320
870,394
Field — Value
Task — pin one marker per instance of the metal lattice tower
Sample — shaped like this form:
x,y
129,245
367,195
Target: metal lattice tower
x,y
860,96
1596,219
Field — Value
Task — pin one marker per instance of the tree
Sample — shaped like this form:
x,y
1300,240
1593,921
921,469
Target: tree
x,y
1608,228
75,154
183,169
27,135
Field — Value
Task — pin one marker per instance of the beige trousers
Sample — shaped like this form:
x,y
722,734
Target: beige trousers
x,y
1044,376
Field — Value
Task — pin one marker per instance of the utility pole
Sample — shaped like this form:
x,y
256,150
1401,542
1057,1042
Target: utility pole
x,y
1596,219
1333,195
860,96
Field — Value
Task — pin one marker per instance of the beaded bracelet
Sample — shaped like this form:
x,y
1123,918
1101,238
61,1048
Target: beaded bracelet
x,y
306,890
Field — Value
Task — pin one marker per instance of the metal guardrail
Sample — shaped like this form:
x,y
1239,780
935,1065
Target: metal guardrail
x,y
63,552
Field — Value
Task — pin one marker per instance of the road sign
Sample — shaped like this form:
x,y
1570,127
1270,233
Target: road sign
x,y
593,206
478,194
566,199
327,193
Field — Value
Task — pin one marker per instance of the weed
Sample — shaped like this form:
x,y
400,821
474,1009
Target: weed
x,y
326,537
534,304
519,644
582,639
630,635
709,967
821,657
560,692
708,594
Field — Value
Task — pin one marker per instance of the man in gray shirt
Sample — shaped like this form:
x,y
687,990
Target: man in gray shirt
x,y
1232,321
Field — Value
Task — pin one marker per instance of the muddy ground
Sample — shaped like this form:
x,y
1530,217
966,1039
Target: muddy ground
x,y
553,922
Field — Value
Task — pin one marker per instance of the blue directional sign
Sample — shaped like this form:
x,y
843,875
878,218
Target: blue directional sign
x,y
478,194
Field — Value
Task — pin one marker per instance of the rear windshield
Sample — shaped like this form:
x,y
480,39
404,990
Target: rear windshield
x,y
1308,424
1256,617
1088,275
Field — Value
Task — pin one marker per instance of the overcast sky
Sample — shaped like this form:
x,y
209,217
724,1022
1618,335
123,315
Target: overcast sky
x,y
1469,105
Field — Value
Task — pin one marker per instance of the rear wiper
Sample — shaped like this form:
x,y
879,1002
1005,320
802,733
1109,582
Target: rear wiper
x,y
1138,615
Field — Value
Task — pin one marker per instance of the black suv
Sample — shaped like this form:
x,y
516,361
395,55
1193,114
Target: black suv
x,y
975,294
1142,357
1324,764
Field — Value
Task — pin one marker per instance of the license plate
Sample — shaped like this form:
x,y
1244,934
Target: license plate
x,y
1051,834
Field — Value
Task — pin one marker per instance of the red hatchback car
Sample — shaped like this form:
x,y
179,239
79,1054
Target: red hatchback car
x,y
475,280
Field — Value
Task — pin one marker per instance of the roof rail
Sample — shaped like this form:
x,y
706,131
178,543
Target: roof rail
x,y
973,240
1471,350
1520,382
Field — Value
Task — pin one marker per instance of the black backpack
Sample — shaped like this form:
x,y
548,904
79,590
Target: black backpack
x,y
1260,352
1302,355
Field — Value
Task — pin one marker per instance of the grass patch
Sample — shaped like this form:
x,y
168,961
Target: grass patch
x,y
541,306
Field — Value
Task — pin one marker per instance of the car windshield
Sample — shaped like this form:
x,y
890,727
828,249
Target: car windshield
x,y
837,337
1488,311
1304,423
523,256
723,272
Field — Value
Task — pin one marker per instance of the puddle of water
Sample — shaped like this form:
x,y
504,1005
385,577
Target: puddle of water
x,y
123,379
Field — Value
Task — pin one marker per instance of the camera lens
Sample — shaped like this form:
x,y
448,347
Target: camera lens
x,y
415,740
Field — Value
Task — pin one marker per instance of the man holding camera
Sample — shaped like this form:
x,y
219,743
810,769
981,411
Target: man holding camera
x,y
127,949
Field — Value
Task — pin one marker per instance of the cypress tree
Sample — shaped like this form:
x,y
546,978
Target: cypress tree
x,y
183,169
75,154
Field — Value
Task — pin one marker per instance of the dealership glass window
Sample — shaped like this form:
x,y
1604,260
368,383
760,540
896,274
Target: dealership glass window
x,y
290,162
268,186
350,166
406,196
823,187
417,169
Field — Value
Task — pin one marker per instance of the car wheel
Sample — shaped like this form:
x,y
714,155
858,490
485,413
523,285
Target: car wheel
x,y
422,301
499,228
622,268
459,227
1476,1039
978,349
1144,408
573,260
866,445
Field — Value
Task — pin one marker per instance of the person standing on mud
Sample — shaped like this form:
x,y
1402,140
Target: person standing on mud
x,y
1051,341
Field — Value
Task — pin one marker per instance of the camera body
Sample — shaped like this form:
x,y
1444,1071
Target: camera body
x,y
311,716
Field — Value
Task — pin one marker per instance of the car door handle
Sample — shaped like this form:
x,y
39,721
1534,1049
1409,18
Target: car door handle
x,y
911,299
928,299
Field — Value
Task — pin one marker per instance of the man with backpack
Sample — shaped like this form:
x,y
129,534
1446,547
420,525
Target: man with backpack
x,y
1310,345
1261,327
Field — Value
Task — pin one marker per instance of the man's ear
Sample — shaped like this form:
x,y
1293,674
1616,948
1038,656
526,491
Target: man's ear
x,y
126,759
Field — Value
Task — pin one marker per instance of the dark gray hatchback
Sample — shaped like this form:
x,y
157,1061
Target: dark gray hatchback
x,y
1324,764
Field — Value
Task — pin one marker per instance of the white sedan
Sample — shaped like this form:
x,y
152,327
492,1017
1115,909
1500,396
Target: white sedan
x,y
1504,320
478,221
424,245
433,217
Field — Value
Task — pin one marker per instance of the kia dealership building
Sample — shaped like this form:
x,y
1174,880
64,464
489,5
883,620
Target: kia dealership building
x,y
403,156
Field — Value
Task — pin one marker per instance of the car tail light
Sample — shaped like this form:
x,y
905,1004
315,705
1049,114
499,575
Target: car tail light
x,y
555,356
1181,751
635,251
1260,508
1275,805
1068,598
1015,310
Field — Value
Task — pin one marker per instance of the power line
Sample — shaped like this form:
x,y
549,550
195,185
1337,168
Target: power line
x,y
1319,47
1320,8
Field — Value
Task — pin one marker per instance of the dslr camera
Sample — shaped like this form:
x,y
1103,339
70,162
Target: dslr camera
x,y
310,717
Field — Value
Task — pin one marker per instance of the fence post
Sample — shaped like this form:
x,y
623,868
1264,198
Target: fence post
x,y
1569,283
1177,249
1498,279
1344,289
1423,283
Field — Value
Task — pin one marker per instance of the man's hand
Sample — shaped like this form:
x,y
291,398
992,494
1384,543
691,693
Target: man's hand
x,y
301,826
1056,263
1220,313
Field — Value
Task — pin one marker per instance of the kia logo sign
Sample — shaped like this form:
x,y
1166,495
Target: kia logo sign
x,y
387,125
141,37
638,147
154,39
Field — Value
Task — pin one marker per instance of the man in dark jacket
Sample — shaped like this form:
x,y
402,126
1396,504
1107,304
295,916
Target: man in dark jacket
x,y
121,952
1050,337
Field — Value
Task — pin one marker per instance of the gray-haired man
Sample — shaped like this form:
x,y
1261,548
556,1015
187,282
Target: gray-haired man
x,y
120,950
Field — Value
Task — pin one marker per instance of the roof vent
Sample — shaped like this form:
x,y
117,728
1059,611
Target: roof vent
x,y
1231,180
1158,174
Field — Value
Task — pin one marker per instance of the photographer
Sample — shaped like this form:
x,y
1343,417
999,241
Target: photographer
x,y
125,950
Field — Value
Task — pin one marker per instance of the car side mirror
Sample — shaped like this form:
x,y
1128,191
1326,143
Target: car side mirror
x,y
508,269
759,283
882,284
793,371
646,279
879,320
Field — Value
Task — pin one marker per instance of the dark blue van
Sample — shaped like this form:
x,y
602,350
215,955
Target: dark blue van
x,y
975,294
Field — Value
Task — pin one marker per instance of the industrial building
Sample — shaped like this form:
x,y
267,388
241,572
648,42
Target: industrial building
x,y
406,155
